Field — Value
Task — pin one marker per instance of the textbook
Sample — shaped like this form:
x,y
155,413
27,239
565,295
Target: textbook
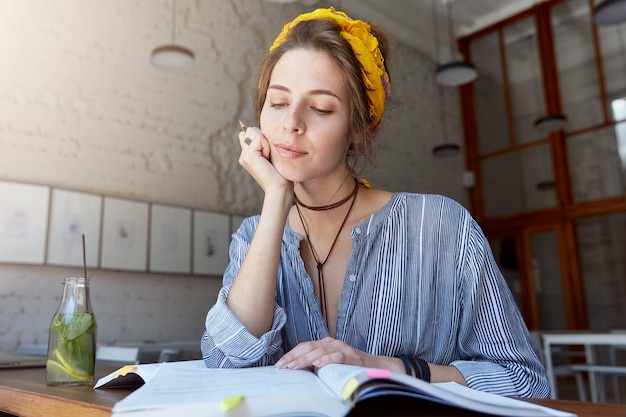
x,y
190,389
130,376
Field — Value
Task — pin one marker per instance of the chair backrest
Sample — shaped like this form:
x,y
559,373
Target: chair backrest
x,y
535,338
117,355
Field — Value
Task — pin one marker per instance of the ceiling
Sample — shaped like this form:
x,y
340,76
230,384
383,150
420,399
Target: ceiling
x,y
411,21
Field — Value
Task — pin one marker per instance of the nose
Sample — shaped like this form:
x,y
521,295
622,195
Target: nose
x,y
294,120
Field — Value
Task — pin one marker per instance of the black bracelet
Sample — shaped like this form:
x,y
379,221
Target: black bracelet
x,y
407,367
420,366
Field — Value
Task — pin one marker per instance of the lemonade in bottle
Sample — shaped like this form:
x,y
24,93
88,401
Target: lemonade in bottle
x,y
72,338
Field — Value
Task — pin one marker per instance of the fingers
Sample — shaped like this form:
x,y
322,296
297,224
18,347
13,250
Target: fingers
x,y
255,157
319,353
252,139
248,135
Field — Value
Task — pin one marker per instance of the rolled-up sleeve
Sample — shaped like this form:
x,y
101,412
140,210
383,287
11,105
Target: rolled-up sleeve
x,y
226,343
492,331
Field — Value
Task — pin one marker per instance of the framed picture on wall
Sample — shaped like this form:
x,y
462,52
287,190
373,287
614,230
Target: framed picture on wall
x,y
72,215
124,235
170,239
211,237
23,222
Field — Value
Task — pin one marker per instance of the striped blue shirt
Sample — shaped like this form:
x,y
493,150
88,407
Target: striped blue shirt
x,y
421,281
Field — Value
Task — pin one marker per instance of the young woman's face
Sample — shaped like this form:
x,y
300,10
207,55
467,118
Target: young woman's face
x,y
305,116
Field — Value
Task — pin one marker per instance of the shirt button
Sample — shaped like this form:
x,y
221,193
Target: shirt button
x,y
358,230
352,278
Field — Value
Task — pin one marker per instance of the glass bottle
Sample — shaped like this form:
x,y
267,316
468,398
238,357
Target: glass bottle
x,y
72,338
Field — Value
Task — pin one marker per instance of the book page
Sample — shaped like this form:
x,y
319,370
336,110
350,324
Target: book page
x,y
357,383
136,375
341,379
265,391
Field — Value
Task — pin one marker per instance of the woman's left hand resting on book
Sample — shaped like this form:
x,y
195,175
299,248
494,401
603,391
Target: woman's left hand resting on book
x,y
319,353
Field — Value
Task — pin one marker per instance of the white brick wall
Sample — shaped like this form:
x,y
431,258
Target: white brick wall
x,y
81,108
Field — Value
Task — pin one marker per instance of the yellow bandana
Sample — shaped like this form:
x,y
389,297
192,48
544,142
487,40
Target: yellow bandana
x,y
365,47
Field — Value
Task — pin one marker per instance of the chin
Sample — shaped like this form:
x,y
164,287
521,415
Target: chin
x,y
289,172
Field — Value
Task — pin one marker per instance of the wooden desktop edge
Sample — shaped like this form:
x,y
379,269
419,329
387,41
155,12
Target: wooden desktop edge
x,y
24,392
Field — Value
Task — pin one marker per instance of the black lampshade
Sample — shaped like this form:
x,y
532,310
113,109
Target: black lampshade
x,y
610,12
446,149
549,123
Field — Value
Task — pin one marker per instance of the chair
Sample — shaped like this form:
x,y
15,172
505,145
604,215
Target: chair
x,y
117,356
560,371
612,369
169,355
32,350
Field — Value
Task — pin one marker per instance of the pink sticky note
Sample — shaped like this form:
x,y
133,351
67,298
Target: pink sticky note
x,y
378,374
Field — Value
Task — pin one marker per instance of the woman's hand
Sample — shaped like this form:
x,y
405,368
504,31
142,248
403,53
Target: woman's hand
x,y
255,158
328,350
323,352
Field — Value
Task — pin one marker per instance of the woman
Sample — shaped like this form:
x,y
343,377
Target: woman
x,y
333,271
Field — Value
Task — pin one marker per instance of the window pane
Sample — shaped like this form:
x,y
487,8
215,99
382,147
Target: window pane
x,y
613,46
546,272
518,181
602,245
597,168
491,115
524,77
505,254
576,63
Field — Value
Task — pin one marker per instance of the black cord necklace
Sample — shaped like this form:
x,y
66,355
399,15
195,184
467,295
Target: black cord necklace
x,y
320,265
329,206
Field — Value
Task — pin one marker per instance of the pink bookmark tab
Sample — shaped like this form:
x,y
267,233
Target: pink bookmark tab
x,y
378,373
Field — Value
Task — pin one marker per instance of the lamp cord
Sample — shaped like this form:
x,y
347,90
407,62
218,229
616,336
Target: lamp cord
x,y
535,70
173,22
433,7
450,30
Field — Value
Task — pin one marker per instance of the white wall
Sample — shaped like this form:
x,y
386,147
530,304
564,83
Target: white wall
x,y
81,108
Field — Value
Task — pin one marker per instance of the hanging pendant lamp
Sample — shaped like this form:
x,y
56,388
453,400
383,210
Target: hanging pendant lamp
x,y
545,122
610,12
455,72
444,149
551,122
172,57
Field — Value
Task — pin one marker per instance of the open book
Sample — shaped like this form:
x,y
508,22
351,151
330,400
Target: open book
x,y
189,389
130,376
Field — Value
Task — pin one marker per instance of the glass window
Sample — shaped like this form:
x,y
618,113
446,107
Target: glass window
x,y
491,115
619,113
613,46
596,161
601,247
505,254
524,79
518,181
546,273
576,64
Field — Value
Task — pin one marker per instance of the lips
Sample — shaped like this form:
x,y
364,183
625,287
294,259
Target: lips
x,y
287,151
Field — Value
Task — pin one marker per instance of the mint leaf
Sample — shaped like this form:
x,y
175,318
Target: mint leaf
x,y
79,324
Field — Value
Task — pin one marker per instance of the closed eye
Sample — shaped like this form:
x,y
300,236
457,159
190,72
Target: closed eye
x,y
322,111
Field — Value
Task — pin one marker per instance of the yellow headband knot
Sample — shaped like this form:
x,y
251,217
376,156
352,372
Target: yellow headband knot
x,y
365,47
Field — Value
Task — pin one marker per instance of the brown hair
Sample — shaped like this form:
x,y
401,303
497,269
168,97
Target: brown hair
x,y
324,35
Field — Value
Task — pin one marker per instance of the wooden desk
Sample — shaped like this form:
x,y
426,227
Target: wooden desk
x,y
23,392
588,340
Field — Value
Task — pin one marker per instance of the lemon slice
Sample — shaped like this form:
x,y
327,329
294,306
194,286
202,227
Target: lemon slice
x,y
65,367
52,364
